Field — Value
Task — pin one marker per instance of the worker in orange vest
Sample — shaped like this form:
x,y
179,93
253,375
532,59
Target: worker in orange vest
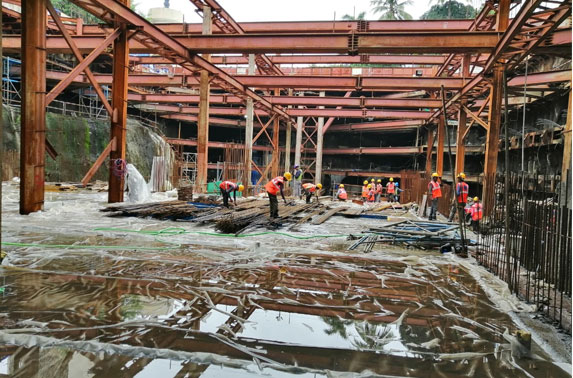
x,y
371,193
365,190
341,194
310,189
228,187
379,191
273,187
476,212
434,194
390,189
462,189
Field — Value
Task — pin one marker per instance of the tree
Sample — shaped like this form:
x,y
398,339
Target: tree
x,y
449,9
72,10
361,16
391,9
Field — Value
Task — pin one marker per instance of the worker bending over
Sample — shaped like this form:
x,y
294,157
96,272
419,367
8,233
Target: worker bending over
x,y
365,191
228,187
379,191
310,189
341,194
273,187
434,193
390,190
476,212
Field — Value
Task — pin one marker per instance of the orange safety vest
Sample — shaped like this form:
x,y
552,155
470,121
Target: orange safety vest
x,y
463,188
228,186
390,187
309,187
371,195
436,190
365,191
342,194
477,211
379,188
274,185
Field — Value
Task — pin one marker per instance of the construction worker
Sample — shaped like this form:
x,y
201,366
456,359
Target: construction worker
x,y
297,175
390,189
371,193
273,187
462,189
379,191
434,194
228,187
476,212
365,190
310,189
341,194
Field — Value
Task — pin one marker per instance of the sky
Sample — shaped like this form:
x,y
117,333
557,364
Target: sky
x,y
287,10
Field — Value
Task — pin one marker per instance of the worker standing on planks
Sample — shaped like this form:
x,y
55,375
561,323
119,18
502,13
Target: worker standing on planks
x,y
341,194
228,187
365,191
390,189
434,193
477,213
273,187
379,191
297,174
310,189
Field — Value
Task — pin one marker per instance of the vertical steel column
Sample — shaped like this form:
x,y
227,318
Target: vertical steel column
x,y
33,116
429,152
276,149
203,119
298,143
119,106
462,120
1,132
565,196
288,142
440,153
494,117
319,140
249,130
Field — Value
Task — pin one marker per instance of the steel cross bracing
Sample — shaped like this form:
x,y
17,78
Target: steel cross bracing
x,y
227,24
162,44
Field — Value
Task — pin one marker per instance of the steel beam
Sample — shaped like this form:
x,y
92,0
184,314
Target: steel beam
x,y
429,152
462,120
319,146
275,142
249,131
33,116
119,106
377,126
298,140
442,130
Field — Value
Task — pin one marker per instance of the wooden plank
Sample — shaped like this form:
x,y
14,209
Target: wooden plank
x,y
323,218
105,153
422,209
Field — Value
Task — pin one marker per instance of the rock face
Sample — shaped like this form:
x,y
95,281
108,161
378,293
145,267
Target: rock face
x,y
79,141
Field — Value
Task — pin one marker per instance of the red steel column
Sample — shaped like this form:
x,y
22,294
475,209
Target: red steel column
x,y
429,152
276,150
440,152
119,106
33,117
492,138
203,122
462,121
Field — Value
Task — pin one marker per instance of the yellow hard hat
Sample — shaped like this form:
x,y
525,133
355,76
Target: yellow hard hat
x,y
241,188
476,199
462,175
369,186
288,176
365,182
372,180
435,174
341,186
379,180
319,186
391,178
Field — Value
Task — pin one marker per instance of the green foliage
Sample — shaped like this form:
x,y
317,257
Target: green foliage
x,y
360,16
73,10
449,10
391,9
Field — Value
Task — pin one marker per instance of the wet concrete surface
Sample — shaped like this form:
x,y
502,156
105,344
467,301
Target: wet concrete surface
x,y
129,304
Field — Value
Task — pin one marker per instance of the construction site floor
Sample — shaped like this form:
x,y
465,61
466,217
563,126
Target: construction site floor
x,y
84,294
